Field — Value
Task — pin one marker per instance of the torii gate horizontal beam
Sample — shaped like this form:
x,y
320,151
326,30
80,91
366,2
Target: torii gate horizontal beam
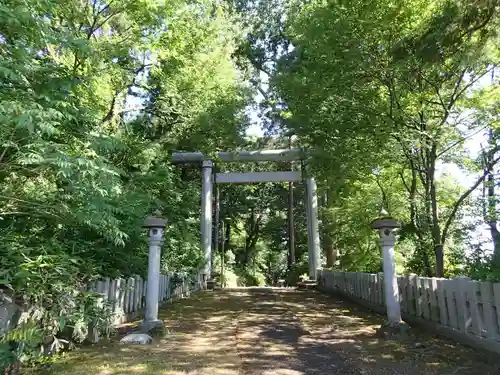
x,y
292,154
249,177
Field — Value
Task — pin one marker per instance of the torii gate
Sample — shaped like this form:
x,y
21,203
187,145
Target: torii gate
x,y
209,178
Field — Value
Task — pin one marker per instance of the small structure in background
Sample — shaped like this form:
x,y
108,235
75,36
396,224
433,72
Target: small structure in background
x,y
306,283
386,227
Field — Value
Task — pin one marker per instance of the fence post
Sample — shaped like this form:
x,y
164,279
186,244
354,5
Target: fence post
x,y
461,298
490,319
137,293
451,302
496,308
101,288
443,311
425,285
121,288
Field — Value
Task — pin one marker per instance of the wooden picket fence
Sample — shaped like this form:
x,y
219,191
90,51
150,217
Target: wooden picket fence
x,y
127,297
467,307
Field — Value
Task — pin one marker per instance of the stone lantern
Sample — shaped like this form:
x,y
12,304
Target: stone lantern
x,y
386,227
156,226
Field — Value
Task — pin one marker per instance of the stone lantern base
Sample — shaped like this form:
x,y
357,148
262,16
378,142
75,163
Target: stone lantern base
x,y
152,326
145,332
395,331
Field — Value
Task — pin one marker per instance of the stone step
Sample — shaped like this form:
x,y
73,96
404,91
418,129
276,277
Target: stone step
x,y
307,284
212,285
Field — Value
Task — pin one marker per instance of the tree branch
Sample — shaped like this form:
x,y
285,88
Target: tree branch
x,y
466,194
473,29
405,184
461,140
385,201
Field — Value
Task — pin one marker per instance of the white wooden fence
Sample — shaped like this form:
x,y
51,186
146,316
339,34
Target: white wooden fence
x,y
468,308
127,297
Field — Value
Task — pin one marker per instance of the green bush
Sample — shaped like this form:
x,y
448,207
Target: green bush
x,y
251,278
59,309
293,275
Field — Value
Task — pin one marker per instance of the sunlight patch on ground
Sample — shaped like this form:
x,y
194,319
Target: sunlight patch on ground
x,y
284,371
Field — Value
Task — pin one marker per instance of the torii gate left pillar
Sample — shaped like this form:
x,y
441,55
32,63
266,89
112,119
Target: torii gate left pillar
x,y
206,216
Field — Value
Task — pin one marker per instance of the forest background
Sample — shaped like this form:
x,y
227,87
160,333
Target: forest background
x,y
398,99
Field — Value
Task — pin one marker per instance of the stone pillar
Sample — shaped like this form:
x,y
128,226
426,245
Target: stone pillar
x,y
314,255
386,226
206,216
156,226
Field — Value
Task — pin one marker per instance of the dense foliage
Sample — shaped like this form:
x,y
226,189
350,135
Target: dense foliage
x,y
94,96
392,86
399,100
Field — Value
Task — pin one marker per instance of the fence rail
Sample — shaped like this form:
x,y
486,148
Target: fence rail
x,y
466,308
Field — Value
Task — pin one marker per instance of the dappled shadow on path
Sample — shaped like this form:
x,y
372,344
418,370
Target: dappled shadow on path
x,y
276,343
272,332
349,331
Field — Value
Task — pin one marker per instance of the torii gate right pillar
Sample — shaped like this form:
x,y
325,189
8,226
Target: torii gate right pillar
x,y
313,241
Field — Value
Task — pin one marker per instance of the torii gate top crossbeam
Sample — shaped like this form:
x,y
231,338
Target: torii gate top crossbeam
x,y
292,154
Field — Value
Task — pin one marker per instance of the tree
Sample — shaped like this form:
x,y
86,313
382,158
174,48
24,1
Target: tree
x,y
94,97
364,77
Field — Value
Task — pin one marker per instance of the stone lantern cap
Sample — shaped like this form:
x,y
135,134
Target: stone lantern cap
x,y
154,221
385,221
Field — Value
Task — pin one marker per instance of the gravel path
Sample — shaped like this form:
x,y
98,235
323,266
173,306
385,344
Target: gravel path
x,y
274,332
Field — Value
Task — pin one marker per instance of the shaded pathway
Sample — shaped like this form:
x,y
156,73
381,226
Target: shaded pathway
x,y
272,340
273,332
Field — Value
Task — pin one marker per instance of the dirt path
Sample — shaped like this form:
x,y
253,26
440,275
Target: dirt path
x,y
273,332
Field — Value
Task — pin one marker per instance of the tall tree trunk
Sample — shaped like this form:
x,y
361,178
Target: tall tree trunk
x,y
253,232
222,257
329,247
330,250
491,209
415,225
436,228
227,238
492,220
